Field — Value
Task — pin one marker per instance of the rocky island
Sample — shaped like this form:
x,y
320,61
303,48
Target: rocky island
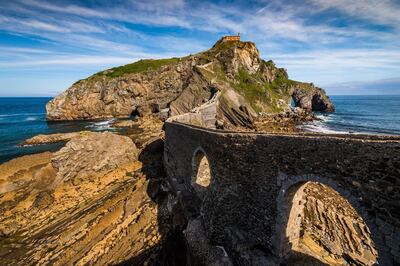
x,y
230,80
206,180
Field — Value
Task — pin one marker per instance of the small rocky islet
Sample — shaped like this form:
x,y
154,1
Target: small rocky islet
x,y
103,198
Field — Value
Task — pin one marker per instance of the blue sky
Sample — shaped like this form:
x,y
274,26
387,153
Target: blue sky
x,y
346,47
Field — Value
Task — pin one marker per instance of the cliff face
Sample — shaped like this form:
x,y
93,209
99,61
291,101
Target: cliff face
x,y
247,84
106,95
86,204
311,98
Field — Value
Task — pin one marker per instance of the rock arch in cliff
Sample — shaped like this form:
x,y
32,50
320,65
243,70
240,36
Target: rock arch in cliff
x,y
201,172
135,113
320,225
311,98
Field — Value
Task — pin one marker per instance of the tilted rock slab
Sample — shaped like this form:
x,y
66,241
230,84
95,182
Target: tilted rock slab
x,y
92,153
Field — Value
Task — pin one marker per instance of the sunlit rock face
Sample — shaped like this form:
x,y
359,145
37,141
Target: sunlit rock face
x,y
322,224
247,85
311,98
87,204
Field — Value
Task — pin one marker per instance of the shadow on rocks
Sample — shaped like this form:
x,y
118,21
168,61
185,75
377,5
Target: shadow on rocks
x,y
301,259
172,248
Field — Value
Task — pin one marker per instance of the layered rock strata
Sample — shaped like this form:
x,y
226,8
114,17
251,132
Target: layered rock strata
x,y
325,226
87,204
51,138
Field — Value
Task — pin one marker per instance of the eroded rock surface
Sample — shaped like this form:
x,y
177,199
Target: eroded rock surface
x,y
325,226
311,98
92,153
51,138
283,122
87,204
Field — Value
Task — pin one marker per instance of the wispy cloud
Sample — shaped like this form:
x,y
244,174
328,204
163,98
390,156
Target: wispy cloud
x,y
68,60
152,12
381,11
316,40
388,86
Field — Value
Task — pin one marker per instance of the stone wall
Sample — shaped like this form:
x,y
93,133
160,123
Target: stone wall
x,y
250,174
204,115
231,38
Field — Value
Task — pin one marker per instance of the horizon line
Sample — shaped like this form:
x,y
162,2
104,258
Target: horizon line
x,y
328,95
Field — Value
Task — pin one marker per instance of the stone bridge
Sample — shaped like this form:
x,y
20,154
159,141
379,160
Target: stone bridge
x,y
252,180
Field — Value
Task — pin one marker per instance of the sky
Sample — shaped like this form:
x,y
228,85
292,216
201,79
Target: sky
x,y
346,47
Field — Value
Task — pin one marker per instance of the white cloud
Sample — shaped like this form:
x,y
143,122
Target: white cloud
x,y
382,11
283,31
134,12
389,86
325,67
70,9
159,6
49,25
71,60
362,58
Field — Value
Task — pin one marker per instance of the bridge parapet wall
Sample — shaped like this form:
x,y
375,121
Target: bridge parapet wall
x,y
251,171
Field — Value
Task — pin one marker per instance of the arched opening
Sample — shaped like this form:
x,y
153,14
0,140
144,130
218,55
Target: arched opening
x,y
322,227
292,103
201,176
135,113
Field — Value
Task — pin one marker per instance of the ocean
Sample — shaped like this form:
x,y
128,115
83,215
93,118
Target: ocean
x,y
22,118
368,114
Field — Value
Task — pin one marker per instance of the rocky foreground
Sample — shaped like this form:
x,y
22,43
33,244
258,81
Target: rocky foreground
x,y
90,203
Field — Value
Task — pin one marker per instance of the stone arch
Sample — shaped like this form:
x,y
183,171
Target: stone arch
x,y
290,209
293,102
201,172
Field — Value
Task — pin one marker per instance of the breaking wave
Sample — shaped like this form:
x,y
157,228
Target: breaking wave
x,y
31,118
101,125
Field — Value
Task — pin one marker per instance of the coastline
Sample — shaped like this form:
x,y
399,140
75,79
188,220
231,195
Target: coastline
x,y
124,127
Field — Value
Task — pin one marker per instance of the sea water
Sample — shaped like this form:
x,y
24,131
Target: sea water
x,y
369,114
22,118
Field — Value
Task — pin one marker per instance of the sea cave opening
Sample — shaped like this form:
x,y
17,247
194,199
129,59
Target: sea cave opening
x,y
135,113
323,228
201,177
292,103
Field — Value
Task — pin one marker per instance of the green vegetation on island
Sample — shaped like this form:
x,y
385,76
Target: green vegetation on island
x,y
137,67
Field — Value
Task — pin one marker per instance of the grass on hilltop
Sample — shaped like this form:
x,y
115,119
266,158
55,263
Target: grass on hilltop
x,y
137,67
